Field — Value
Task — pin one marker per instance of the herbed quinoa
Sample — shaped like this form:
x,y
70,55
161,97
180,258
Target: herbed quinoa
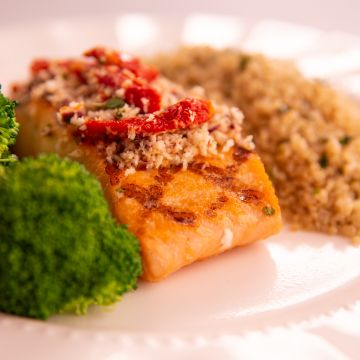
x,y
135,117
307,134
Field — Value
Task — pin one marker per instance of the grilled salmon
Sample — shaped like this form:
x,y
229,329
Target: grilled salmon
x,y
180,213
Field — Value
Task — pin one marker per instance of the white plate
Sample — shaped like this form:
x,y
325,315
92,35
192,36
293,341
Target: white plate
x,y
294,295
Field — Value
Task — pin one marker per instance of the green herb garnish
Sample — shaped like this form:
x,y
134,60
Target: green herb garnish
x,y
270,172
324,161
243,62
114,103
345,140
268,210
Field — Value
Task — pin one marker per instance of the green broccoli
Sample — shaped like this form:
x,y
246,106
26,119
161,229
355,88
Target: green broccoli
x,y
8,128
60,248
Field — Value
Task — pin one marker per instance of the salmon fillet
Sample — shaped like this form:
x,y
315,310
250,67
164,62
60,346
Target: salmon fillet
x,y
174,168
180,216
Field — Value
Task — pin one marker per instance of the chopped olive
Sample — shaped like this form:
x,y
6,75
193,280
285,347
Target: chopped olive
x,y
114,103
345,140
324,161
243,62
268,210
118,115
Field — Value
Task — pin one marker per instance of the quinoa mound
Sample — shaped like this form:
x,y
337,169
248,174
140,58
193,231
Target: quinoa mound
x,y
307,134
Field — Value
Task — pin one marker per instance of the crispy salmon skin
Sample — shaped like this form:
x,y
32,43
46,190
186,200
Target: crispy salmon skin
x,y
180,216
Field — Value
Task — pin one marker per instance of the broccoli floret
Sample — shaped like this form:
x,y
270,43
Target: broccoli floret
x,y
60,248
8,128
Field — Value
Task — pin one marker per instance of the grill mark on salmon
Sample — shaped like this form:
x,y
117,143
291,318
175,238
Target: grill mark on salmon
x,y
150,198
248,195
241,154
182,217
113,172
216,205
231,169
221,178
166,175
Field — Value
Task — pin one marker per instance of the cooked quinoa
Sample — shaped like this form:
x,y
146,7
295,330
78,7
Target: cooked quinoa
x,y
307,134
87,89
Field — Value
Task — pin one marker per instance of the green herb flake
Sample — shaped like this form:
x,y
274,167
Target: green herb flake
x,y
244,62
345,140
324,161
316,191
268,210
114,103
270,172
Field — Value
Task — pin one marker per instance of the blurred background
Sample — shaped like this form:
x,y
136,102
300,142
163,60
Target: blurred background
x,y
329,15
322,36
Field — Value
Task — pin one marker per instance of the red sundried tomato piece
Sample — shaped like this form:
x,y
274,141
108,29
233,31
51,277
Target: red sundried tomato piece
x,y
112,80
185,114
78,68
145,98
146,72
112,57
105,56
107,80
38,65
149,73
